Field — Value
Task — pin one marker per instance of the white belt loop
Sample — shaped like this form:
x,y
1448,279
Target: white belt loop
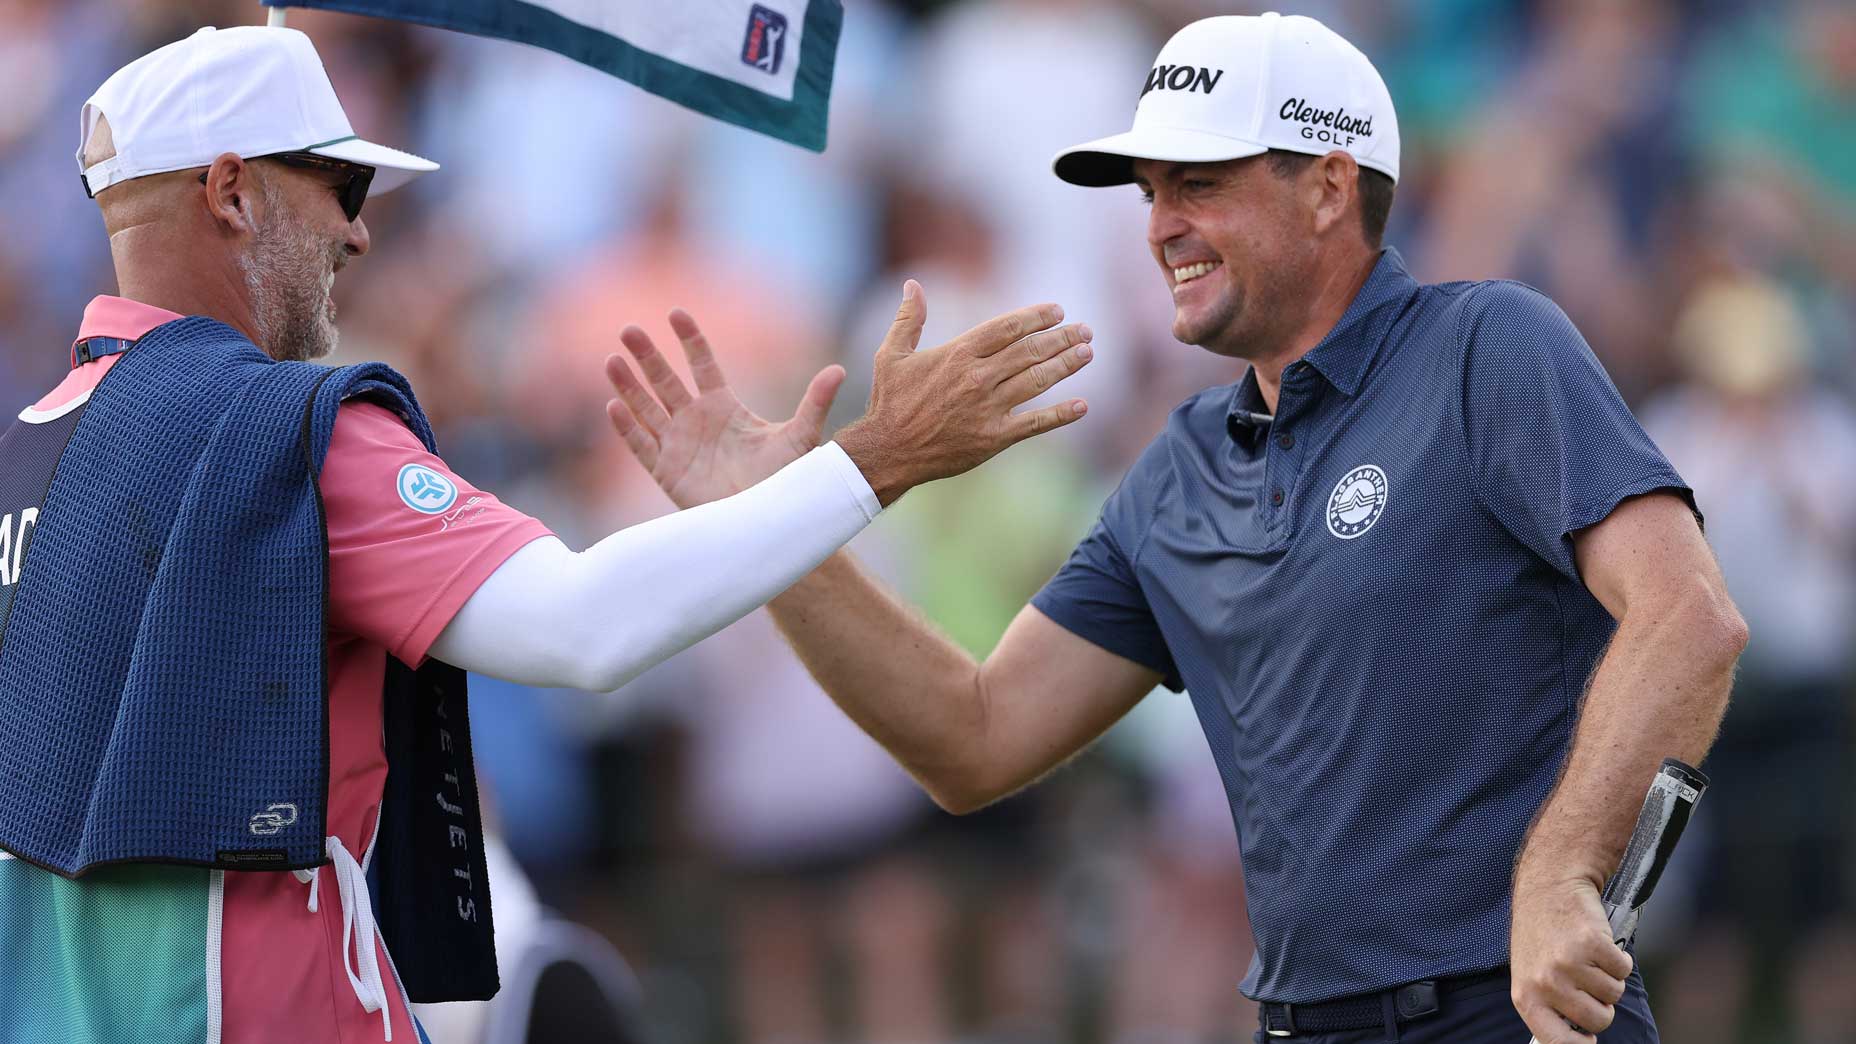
x,y
358,931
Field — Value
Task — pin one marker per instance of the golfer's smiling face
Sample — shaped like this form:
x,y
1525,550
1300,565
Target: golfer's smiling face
x,y
1222,235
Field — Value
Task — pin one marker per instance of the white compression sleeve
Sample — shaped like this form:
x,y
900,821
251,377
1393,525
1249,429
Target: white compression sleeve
x,y
596,619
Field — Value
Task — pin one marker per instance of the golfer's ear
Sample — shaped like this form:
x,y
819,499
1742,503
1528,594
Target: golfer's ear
x,y
1331,186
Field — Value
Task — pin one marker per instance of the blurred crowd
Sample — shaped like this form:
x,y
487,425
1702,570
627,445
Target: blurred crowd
x,y
1680,175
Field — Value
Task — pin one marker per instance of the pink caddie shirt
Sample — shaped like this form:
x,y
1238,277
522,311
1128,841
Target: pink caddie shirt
x,y
396,578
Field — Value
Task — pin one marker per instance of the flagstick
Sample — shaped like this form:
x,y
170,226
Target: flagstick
x,y
276,20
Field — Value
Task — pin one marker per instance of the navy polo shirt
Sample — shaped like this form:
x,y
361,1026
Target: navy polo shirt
x,y
1372,599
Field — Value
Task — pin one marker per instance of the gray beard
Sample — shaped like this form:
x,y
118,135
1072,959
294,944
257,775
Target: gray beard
x,y
284,271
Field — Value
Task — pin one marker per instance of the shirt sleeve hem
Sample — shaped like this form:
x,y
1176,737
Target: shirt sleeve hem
x,y
1067,617
1659,481
854,481
412,646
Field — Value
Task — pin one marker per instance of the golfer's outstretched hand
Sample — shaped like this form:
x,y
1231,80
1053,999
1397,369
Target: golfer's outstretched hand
x,y
931,414
942,412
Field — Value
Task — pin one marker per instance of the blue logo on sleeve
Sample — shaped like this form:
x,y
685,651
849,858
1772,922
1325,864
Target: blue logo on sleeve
x,y
425,490
765,44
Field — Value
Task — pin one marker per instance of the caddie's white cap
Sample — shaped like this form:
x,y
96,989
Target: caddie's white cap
x,y
1239,85
251,90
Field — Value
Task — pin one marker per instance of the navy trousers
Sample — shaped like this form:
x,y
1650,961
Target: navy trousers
x,y
1483,1015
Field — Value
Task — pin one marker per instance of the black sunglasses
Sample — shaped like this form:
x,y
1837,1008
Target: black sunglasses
x,y
353,191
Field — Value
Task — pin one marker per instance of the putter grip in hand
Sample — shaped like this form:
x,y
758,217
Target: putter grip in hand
x,y
1666,810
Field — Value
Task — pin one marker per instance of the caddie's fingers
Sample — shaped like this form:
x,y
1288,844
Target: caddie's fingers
x,y
816,404
703,367
905,331
1037,422
992,336
664,380
1041,378
638,440
1030,351
644,409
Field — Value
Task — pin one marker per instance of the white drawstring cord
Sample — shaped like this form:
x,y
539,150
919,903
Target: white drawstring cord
x,y
357,928
312,879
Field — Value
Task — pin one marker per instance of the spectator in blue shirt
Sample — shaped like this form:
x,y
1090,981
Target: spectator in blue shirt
x,y
1437,598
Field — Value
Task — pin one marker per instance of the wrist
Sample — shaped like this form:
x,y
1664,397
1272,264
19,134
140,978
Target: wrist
x,y
875,460
1547,862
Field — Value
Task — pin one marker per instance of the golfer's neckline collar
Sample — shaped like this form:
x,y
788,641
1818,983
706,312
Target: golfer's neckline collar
x,y
1343,354
1348,349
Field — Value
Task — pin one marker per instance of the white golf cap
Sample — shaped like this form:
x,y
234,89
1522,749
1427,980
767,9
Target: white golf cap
x,y
1239,85
250,90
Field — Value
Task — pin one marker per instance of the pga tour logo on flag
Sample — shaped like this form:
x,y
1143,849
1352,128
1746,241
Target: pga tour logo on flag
x,y
765,42
773,76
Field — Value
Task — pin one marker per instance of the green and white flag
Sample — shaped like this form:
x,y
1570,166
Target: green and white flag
x,y
762,64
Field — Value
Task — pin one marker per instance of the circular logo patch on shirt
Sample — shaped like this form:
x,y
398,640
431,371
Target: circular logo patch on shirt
x,y
425,490
1357,502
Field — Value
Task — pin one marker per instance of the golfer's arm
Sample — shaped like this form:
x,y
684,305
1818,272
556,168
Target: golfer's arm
x,y
970,733
1659,691
593,620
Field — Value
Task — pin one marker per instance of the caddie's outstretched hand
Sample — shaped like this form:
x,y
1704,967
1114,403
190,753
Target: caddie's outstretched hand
x,y
942,412
705,446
